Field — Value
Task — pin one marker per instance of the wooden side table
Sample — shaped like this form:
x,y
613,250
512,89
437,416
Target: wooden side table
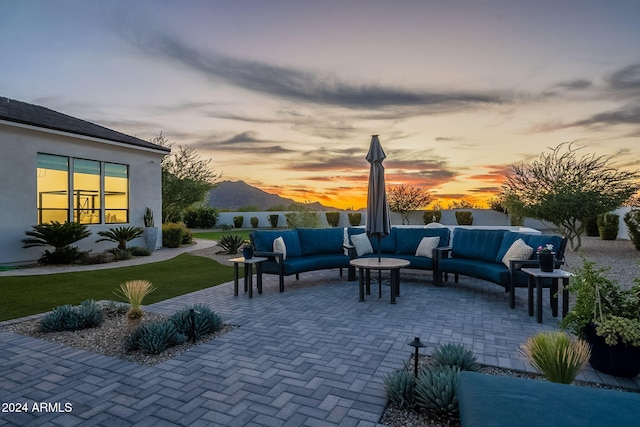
x,y
365,265
536,277
248,273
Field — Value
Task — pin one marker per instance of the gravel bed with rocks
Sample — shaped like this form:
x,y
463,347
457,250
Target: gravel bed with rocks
x,y
108,338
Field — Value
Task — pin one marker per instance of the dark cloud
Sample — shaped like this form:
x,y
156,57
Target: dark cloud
x,y
291,83
625,79
629,114
241,143
579,84
446,139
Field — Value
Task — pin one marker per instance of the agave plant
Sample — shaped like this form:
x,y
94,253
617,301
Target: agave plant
x,y
120,235
59,235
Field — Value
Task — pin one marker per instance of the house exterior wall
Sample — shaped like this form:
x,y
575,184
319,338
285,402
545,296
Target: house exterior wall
x,y
20,144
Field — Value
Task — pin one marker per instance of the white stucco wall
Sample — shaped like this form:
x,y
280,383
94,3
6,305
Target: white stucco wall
x,y
19,147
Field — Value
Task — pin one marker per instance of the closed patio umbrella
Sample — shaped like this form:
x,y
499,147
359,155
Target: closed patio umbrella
x,y
378,220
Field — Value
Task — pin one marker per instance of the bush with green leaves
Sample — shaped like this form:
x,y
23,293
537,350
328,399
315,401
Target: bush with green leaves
x,y
187,238
632,221
453,354
400,386
464,217
120,254
70,318
201,217
333,218
591,226
238,220
355,218
302,215
431,215
273,220
202,322
154,337
437,390
120,235
172,234
254,221
557,356
230,243
139,251
59,235
608,225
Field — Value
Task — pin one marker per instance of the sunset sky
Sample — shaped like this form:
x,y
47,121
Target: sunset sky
x,y
285,94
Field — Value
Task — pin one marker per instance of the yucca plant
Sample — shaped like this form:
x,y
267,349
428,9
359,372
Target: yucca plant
x,y
59,235
557,356
134,292
120,235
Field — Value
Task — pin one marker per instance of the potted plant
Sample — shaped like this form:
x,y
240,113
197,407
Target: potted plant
x,y
150,232
608,318
546,257
247,249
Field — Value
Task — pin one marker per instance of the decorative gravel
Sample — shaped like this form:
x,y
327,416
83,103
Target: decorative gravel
x,y
108,338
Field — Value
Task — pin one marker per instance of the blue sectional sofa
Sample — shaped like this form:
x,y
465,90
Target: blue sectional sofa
x,y
307,249
401,243
479,253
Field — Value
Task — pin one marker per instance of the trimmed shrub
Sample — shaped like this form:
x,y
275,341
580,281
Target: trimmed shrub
x,y
238,221
120,254
608,225
457,355
273,220
437,390
139,251
400,387
591,227
464,217
254,221
333,218
172,233
204,322
201,217
632,220
354,218
432,215
187,237
154,337
70,318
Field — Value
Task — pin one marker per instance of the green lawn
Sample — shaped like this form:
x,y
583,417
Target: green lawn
x,y
25,295
215,235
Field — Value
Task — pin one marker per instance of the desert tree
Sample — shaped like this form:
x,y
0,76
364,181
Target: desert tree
x,y
566,188
405,199
186,179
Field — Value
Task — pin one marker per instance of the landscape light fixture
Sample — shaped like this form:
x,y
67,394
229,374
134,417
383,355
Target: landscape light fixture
x,y
417,344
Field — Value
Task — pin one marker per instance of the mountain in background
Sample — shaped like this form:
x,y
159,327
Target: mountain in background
x,y
232,195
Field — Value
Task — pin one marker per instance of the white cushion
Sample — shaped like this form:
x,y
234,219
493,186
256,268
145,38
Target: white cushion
x,y
518,250
427,245
280,247
362,244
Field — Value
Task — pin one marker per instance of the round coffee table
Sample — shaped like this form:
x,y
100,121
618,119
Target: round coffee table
x,y
365,265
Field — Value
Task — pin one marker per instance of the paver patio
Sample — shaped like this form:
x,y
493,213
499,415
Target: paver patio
x,y
311,356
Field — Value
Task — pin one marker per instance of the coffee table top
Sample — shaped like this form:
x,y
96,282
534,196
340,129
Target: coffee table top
x,y
384,263
556,273
254,260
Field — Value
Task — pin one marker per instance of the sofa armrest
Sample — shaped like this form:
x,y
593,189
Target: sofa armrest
x,y
351,251
275,255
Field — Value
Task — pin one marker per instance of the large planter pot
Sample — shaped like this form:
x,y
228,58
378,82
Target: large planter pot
x,y
151,237
619,360
547,261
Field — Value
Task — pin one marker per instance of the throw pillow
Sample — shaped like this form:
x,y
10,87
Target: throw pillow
x,y
362,244
427,245
518,250
279,247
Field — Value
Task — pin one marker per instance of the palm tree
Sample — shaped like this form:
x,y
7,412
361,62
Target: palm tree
x,y
120,235
56,234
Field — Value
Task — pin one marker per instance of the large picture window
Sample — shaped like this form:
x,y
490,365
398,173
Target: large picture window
x,y
100,190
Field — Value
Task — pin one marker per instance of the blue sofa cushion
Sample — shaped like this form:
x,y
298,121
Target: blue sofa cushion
x,y
323,261
408,239
314,241
533,240
387,244
477,244
263,240
496,273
